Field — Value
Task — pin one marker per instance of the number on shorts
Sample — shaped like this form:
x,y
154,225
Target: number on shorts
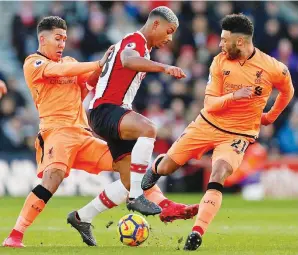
x,y
240,146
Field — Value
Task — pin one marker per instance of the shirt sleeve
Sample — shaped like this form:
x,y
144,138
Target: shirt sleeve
x,y
281,77
215,80
281,80
135,42
34,68
215,104
82,78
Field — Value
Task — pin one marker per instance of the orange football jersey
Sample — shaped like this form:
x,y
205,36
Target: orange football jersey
x,y
57,99
262,73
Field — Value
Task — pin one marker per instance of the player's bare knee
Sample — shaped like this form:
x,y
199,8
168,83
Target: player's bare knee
x,y
148,129
221,171
52,179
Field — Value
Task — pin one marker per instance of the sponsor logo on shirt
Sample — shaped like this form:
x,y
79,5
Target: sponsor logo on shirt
x,y
62,80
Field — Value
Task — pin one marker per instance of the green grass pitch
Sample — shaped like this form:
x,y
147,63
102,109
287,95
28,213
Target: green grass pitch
x,y
241,227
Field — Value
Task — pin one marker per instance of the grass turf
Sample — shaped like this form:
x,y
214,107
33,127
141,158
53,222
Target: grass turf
x,y
241,227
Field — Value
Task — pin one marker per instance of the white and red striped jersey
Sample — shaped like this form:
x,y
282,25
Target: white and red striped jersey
x,y
119,85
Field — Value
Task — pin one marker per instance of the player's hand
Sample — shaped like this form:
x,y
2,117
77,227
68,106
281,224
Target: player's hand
x,y
175,72
3,89
245,92
264,120
106,55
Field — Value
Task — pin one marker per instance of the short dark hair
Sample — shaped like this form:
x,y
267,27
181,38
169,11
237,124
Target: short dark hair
x,y
50,23
237,23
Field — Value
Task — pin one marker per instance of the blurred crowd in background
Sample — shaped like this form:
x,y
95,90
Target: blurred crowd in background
x,y
170,104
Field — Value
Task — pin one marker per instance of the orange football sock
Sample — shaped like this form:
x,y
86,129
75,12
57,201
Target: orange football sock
x,y
33,206
155,195
209,207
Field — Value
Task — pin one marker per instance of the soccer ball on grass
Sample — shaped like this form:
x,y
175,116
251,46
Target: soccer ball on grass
x,y
133,230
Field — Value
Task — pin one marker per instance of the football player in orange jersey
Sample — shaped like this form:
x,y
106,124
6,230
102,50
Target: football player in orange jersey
x,y
3,89
58,87
240,82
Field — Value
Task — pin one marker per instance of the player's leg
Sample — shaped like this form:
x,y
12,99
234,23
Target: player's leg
x,y
127,133
53,159
35,203
96,206
119,125
94,156
191,144
163,165
113,195
226,159
170,210
134,126
121,152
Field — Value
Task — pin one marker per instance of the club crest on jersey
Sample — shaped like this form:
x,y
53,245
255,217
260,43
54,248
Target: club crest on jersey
x,y
38,63
130,46
259,77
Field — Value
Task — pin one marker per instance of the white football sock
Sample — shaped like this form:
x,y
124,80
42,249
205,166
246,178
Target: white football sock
x,y
114,194
140,158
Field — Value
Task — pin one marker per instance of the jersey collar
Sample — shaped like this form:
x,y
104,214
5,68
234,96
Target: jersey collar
x,y
140,33
253,53
250,57
38,53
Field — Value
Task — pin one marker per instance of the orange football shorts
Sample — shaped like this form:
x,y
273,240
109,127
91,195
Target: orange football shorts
x,y
200,137
71,147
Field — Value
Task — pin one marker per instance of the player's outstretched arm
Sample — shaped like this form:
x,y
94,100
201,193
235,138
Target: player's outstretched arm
x,y
90,79
93,77
75,68
132,60
219,103
70,69
286,92
3,89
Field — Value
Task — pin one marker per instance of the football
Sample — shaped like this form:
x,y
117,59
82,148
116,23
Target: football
x,y
133,230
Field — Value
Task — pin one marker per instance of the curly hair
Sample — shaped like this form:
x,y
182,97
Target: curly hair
x,y
237,23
